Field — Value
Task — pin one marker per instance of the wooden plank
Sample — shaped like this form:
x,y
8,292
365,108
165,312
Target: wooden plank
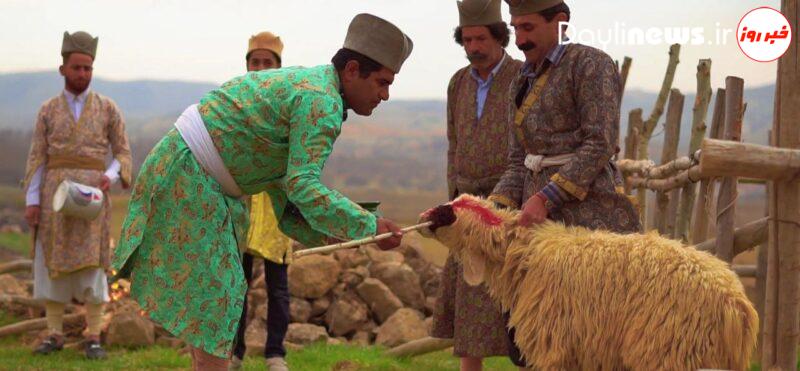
x,y
672,131
699,113
726,201
705,196
782,323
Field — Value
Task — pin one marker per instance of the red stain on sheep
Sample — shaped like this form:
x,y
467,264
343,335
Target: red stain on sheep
x,y
486,215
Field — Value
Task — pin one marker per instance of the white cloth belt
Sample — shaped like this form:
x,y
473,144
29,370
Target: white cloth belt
x,y
194,132
536,163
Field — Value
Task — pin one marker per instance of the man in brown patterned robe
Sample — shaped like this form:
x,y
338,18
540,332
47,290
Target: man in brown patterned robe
x,y
564,120
71,140
477,133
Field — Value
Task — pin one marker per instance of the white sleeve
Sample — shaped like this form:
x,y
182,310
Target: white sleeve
x,y
113,171
32,194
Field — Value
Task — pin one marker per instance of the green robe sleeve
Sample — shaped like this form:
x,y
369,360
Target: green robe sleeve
x,y
314,125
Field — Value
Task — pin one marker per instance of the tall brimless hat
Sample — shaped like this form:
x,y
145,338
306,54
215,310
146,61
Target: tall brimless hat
x,y
265,40
478,12
378,39
79,42
524,7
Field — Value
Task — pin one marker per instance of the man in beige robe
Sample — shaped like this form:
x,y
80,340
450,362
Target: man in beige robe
x,y
71,140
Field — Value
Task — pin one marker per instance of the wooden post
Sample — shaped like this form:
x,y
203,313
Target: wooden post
x,y
744,238
658,110
700,111
734,159
701,212
672,131
623,76
649,125
726,201
761,273
782,323
632,139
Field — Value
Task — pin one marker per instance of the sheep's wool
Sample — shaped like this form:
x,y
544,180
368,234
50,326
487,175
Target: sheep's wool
x,y
583,299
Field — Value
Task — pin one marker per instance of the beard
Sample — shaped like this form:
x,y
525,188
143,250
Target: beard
x,y
527,46
477,57
77,85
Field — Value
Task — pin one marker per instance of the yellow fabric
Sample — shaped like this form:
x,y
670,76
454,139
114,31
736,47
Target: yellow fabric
x,y
94,318
264,239
503,200
54,312
265,40
75,162
570,187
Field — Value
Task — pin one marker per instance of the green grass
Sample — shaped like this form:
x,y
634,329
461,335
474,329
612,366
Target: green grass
x,y
14,356
17,242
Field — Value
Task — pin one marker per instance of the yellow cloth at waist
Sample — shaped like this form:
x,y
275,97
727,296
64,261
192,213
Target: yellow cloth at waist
x,y
264,239
74,162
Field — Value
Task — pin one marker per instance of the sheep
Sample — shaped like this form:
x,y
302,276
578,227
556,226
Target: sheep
x,y
581,299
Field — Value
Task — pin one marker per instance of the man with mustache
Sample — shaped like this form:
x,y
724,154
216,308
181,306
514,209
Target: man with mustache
x,y
477,134
564,117
267,131
71,140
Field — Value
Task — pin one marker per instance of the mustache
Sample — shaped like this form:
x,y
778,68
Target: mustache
x,y
477,57
526,46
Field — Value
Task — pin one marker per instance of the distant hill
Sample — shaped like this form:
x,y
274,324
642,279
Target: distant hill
x,y
21,95
402,146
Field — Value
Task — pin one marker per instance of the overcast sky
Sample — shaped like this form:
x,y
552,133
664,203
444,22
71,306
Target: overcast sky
x,y
204,40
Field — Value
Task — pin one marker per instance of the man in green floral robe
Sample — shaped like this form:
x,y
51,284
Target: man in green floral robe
x,y
273,131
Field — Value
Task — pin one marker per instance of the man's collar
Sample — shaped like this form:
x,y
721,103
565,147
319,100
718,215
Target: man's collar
x,y
554,57
72,97
494,71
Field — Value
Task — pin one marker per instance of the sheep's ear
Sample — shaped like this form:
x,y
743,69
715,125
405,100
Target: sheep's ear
x,y
474,267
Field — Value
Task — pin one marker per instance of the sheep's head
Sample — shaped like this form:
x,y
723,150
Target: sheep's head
x,y
474,230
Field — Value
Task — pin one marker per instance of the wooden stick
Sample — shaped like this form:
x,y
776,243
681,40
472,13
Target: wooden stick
x,y
744,238
648,169
744,270
672,131
699,231
419,347
16,266
37,324
649,125
21,300
354,243
684,177
658,110
726,201
700,111
632,140
626,68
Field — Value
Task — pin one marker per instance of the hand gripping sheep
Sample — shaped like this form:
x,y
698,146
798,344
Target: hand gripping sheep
x,y
582,299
